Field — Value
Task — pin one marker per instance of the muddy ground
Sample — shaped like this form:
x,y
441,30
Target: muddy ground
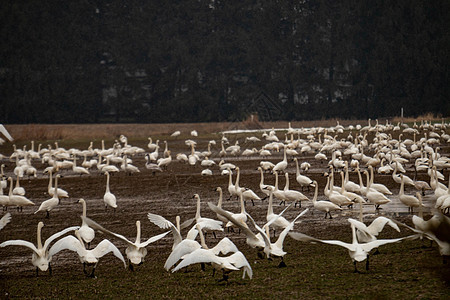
x,y
170,193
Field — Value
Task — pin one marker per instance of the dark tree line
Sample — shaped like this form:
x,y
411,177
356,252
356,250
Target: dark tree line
x,y
211,60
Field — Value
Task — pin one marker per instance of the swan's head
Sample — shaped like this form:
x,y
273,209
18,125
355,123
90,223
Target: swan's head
x,y
218,189
81,201
40,225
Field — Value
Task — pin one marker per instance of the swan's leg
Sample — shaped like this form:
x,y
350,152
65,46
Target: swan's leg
x,y
203,266
84,268
367,263
130,266
50,269
356,270
37,271
282,263
253,202
93,270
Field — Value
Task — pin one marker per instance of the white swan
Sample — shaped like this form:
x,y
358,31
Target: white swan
x,y
246,193
51,190
77,169
302,179
358,251
41,257
109,198
280,222
408,200
282,165
86,232
375,197
322,205
275,249
135,251
378,186
229,263
292,195
265,188
51,203
163,223
206,224
18,190
17,200
87,257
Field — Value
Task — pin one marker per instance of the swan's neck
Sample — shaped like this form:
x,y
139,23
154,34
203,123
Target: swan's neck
x,y
402,186
84,208
237,178
138,232
10,186
38,235
197,214
177,221
107,183
270,207
316,192
17,181
242,204
297,168
262,177
202,238
55,194
286,187
276,181
342,183
219,204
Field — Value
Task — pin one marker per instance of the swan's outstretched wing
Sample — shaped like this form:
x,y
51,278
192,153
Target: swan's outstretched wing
x,y
163,223
5,220
240,261
183,248
67,243
375,244
306,238
6,133
203,256
187,223
58,234
250,234
94,225
105,247
378,224
285,231
224,246
20,243
154,239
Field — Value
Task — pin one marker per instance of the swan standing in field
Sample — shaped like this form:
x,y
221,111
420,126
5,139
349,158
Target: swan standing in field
x,y
408,200
41,257
135,251
17,200
247,193
292,195
109,198
358,251
374,196
87,257
206,224
51,190
86,232
282,165
378,186
18,190
265,188
51,203
322,205
302,179
77,169
5,220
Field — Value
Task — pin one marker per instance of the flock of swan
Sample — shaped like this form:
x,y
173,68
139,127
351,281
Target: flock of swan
x,y
335,151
